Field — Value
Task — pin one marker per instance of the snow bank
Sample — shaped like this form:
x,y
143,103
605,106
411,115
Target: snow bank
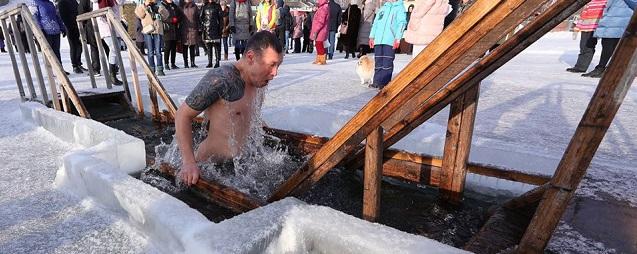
x,y
287,226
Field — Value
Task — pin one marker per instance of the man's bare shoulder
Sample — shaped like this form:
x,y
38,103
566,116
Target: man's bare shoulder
x,y
220,83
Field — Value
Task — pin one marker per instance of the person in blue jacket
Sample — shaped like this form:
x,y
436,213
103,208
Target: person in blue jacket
x,y
47,17
631,4
610,29
387,30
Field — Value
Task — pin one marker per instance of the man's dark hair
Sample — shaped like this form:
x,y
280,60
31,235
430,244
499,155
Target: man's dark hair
x,y
263,40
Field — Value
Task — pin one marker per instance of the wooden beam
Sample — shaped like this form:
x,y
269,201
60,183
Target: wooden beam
x,y
102,53
411,167
372,175
27,18
462,35
457,146
152,78
36,65
87,55
539,26
23,59
118,55
55,98
14,62
601,110
226,196
136,85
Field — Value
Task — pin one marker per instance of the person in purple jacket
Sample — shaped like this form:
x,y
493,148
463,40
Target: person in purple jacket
x,y
47,17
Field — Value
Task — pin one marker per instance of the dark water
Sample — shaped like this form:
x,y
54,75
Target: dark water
x,y
406,207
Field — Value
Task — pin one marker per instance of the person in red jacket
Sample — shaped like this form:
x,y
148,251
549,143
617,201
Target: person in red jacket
x,y
319,31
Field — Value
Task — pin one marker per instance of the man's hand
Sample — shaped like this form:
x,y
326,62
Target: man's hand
x,y
396,44
189,173
371,43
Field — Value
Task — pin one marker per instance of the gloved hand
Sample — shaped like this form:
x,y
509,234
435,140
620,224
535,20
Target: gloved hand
x,y
232,29
396,44
371,42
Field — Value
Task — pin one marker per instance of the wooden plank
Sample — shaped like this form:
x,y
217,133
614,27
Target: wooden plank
x,y
136,85
14,63
93,14
598,116
87,55
23,58
118,55
65,101
411,167
600,113
53,86
152,78
154,106
457,145
103,57
55,63
224,195
36,65
541,25
450,45
372,175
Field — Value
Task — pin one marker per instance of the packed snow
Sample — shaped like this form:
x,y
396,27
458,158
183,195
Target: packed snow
x,y
527,113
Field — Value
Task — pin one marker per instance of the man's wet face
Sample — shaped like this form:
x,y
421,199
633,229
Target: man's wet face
x,y
266,66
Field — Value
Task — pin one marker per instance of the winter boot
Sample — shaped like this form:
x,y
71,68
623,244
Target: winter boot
x,y
2,50
174,67
316,60
209,60
116,81
225,56
217,64
160,71
596,73
186,64
322,60
192,63
237,55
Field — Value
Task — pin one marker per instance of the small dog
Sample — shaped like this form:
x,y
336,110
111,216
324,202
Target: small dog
x,y
365,70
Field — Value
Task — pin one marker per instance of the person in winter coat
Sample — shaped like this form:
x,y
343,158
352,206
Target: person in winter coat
x,y
631,4
427,21
284,24
84,7
240,24
139,36
225,30
307,27
320,30
68,13
171,32
365,27
351,19
47,18
211,21
334,21
267,16
610,29
297,31
384,37
586,25
105,32
190,26
151,15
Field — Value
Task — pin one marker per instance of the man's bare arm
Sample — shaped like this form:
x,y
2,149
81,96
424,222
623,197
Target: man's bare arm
x,y
183,130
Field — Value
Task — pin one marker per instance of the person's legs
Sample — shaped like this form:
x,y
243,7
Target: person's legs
x,y
587,45
2,46
158,41
287,40
184,53
150,45
217,53
166,49
608,47
384,58
192,49
54,42
332,39
75,51
297,45
173,54
209,53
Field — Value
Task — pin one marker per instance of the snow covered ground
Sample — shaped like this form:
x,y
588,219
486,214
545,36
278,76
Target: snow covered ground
x,y
527,112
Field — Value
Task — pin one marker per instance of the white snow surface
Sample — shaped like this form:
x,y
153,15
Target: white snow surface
x,y
527,113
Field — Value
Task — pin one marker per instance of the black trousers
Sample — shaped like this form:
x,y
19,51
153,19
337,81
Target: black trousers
x,y
54,41
587,45
75,46
297,45
455,6
191,49
364,50
608,47
170,51
217,48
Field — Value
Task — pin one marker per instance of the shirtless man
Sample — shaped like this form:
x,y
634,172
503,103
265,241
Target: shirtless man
x,y
228,97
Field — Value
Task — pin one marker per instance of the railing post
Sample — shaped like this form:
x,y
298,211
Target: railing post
x,y
103,57
118,55
372,175
52,85
23,58
136,85
87,58
14,63
36,64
